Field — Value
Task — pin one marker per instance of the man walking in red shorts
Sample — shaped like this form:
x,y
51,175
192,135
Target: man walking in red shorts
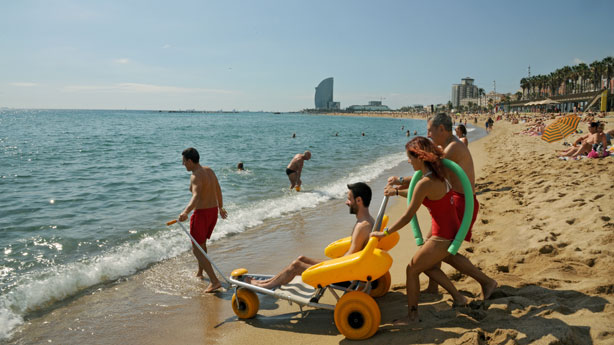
x,y
206,201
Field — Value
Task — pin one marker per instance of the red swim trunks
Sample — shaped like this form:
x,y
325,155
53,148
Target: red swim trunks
x,y
459,202
202,223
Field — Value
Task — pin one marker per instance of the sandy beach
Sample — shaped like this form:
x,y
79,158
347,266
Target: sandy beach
x,y
544,233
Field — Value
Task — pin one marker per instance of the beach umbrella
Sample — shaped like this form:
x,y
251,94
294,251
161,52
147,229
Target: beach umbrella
x,y
561,128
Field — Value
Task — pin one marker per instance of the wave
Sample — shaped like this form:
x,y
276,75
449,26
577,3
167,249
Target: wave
x,y
41,289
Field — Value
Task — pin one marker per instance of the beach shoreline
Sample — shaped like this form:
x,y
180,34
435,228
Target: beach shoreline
x,y
552,274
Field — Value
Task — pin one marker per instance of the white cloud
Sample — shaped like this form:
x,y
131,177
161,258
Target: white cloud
x,y
140,88
166,46
24,84
122,61
577,61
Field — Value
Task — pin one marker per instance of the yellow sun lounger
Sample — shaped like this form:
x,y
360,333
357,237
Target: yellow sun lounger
x,y
361,276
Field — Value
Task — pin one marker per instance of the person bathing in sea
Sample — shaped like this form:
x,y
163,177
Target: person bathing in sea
x,y
358,200
435,192
439,129
206,201
294,169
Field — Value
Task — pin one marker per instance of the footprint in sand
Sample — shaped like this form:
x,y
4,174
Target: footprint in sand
x,y
570,221
598,196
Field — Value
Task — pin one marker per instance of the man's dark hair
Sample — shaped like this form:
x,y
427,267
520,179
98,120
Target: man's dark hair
x,y
362,190
442,119
191,154
594,124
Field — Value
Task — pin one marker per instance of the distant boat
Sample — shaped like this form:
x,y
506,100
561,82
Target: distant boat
x,y
277,112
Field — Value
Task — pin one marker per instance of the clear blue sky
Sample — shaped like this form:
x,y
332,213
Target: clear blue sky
x,y
270,55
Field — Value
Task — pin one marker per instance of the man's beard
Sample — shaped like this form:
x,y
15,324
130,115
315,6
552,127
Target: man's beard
x,y
353,209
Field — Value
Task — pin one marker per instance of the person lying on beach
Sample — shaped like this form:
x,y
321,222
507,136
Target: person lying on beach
x,y
358,200
206,201
435,192
439,130
584,144
461,133
600,147
295,168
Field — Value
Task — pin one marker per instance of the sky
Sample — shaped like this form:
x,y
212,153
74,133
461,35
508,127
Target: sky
x,y
270,55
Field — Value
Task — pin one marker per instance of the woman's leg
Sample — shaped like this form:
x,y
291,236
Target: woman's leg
x,y
431,253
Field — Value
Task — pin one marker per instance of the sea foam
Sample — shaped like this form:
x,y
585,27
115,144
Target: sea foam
x,y
40,289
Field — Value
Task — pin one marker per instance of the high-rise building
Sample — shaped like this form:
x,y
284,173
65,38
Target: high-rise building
x,y
324,95
465,89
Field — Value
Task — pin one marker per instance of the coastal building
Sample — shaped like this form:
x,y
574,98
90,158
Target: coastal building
x,y
372,106
465,89
324,96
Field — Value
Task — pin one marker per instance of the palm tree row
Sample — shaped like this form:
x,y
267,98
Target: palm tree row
x,y
569,79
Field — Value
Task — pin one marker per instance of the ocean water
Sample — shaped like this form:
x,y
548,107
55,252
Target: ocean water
x,y
84,194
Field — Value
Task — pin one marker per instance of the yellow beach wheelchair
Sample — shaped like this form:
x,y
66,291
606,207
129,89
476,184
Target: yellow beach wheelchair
x,y
359,277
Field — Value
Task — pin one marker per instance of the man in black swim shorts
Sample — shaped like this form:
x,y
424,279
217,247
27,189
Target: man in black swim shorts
x,y
294,169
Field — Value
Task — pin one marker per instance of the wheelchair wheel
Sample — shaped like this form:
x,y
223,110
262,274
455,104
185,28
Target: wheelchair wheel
x,y
245,304
357,316
380,286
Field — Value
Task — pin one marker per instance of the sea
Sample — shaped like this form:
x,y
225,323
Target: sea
x,y
85,194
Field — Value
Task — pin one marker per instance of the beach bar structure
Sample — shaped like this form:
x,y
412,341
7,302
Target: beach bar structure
x,y
595,100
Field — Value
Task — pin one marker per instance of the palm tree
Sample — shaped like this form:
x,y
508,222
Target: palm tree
x,y
524,85
583,72
608,69
597,69
480,94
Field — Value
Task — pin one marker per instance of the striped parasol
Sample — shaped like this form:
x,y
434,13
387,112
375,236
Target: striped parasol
x,y
561,128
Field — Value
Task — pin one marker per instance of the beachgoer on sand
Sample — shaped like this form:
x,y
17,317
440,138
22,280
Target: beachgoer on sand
x,y
358,200
439,129
295,168
206,201
582,145
435,193
461,133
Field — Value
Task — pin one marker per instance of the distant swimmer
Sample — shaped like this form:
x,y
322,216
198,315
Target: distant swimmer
x,y
294,169
402,128
363,134
407,133
293,135
206,201
240,166
337,134
415,132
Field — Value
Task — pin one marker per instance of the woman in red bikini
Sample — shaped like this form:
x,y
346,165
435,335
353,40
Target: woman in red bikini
x,y
434,192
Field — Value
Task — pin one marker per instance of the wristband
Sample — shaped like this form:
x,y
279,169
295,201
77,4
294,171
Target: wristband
x,y
386,232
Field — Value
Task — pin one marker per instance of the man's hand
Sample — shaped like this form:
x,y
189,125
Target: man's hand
x,y
392,180
390,191
183,217
223,213
378,234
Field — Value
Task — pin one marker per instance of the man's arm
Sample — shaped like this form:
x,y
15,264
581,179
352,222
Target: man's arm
x,y
360,236
218,195
196,185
